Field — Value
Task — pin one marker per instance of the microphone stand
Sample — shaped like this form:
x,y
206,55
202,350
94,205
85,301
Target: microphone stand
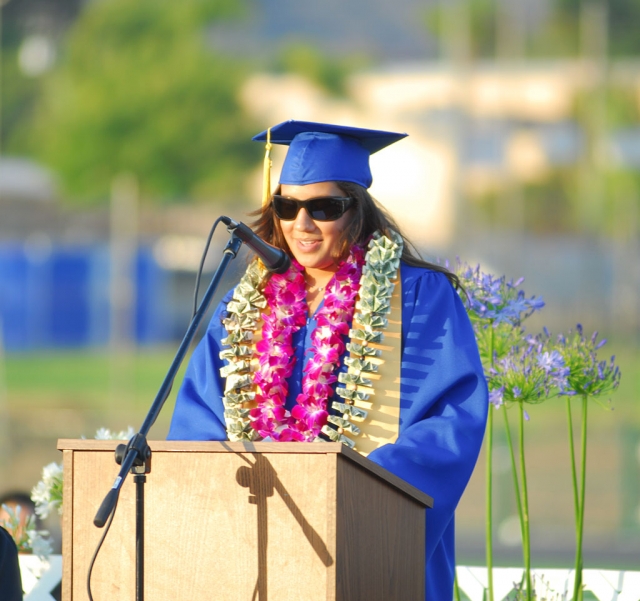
x,y
135,457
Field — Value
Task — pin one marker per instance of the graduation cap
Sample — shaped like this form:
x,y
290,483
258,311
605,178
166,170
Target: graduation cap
x,y
321,152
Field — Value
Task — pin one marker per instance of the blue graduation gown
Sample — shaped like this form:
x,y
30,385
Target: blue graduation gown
x,y
443,406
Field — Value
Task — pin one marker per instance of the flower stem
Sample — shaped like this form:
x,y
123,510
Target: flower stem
x,y
574,476
489,492
514,472
577,586
526,544
489,506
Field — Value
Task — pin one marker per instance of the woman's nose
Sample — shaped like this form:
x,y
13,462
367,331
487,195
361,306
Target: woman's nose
x,y
303,221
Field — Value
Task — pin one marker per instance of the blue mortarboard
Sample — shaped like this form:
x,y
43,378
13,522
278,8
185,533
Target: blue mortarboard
x,y
321,152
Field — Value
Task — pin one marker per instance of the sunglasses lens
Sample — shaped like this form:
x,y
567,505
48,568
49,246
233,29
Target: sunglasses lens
x,y
325,208
285,208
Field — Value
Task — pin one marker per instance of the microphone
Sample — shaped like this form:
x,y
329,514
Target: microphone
x,y
274,259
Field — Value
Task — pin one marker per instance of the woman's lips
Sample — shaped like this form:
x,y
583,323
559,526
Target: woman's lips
x,y
308,245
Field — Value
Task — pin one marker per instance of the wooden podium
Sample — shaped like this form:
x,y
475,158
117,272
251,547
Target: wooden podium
x,y
242,521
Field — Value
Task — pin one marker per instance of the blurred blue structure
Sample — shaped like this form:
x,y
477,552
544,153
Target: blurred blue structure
x,y
59,297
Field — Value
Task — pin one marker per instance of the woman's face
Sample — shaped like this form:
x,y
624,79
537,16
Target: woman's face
x,y
313,243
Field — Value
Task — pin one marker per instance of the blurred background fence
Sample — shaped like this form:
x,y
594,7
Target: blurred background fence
x,y
125,132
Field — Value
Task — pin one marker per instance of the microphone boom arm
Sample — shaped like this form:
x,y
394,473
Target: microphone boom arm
x,y
138,449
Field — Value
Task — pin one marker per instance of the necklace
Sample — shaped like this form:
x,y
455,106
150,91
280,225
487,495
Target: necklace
x,y
256,375
311,288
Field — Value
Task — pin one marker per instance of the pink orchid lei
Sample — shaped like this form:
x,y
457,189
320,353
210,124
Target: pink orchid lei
x,y
285,295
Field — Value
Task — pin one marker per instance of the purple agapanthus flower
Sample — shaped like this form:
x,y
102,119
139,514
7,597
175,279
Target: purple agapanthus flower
x,y
587,376
494,299
530,372
553,364
550,360
496,397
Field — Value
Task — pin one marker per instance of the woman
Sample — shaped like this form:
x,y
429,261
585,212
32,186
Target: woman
x,y
359,342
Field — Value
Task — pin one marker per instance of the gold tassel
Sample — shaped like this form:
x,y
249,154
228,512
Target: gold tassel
x,y
266,178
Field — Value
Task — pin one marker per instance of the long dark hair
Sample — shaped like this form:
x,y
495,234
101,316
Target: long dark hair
x,y
368,217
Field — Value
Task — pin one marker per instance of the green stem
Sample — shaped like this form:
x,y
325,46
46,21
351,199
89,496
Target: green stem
x,y
514,471
526,545
489,492
489,506
456,588
577,587
574,476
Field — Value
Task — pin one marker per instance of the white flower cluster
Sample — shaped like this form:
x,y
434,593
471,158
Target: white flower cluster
x,y
47,494
106,434
40,543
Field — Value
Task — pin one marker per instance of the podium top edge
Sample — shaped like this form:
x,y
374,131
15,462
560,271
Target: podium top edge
x,y
191,446
208,446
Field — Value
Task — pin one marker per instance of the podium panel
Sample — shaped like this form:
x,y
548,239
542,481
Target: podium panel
x,y
241,521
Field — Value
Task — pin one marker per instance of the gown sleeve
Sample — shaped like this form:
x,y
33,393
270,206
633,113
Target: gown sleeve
x,y
444,402
199,412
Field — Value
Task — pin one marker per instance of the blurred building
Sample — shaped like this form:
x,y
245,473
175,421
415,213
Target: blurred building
x,y
491,130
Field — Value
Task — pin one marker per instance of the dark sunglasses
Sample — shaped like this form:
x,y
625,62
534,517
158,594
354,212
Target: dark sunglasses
x,y
322,208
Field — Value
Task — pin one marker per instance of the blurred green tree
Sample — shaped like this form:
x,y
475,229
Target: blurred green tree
x,y
24,21
138,90
18,96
